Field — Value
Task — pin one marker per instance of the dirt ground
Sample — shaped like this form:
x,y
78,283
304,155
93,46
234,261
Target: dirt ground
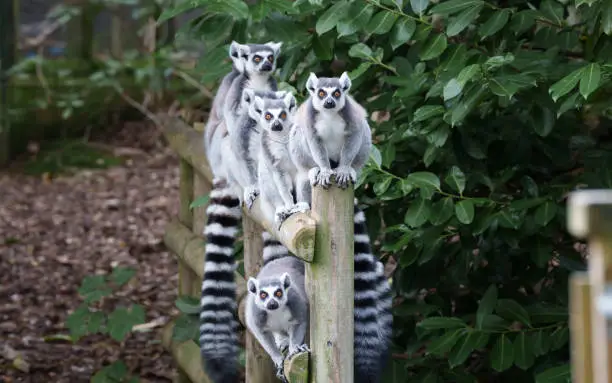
x,y
54,232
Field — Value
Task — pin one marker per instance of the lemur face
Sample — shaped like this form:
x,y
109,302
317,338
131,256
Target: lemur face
x,y
257,59
270,294
328,93
249,94
274,115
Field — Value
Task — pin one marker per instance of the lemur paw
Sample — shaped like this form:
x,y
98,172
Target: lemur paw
x,y
281,214
345,175
283,345
313,175
250,194
324,177
297,350
280,372
301,207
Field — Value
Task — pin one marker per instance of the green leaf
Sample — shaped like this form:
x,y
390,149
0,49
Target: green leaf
x,y
186,327
452,89
188,305
512,310
486,306
553,11
418,213
543,121
439,323
444,343
381,187
590,79
200,201
426,112
502,87
464,211
441,211
426,179
493,322
121,321
238,9
360,50
382,23
465,18
323,46
402,32
330,18
495,23
502,355
454,6
375,156
172,12
456,179
122,275
358,17
545,213
434,47
462,350
606,18
565,85
559,338
419,6
523,353
559,374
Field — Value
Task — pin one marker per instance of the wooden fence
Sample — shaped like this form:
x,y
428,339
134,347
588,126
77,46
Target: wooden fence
x,y
323,238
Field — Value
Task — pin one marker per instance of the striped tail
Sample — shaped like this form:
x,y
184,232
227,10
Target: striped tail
x,y
272,249
218,323
373,319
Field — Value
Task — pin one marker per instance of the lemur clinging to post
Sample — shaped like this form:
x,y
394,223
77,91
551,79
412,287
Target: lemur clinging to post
x,y
331,136
277,306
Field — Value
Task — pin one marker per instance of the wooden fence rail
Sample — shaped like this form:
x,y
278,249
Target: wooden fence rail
x,y
322,238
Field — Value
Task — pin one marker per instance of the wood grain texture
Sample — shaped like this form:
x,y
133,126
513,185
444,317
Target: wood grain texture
x,y
296,368
580,327
330,287
186,354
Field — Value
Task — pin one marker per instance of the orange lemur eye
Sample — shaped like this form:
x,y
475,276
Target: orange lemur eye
x,y
283,115
263,295
257,59
278,293
321,94
270,58
336,94
268,116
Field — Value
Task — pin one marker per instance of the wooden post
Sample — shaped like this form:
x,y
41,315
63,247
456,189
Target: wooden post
x,y
590,216
580,326
259,366
330,287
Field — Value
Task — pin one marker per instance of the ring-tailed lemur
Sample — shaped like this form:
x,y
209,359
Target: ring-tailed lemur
x,y
244,144
259,62
277,306
331,136
276,172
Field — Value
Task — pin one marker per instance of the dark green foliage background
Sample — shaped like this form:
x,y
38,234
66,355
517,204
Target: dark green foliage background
x,y
489,113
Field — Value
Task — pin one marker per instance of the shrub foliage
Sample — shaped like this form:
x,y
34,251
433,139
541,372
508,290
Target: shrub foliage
x,y
487,113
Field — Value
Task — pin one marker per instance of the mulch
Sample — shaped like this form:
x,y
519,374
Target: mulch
x,y
54,232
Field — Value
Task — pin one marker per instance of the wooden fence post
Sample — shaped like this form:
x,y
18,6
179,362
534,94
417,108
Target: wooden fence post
x,y
330,287
590,216
259,367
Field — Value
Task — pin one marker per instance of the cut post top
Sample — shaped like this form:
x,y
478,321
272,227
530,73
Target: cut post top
x,y
590,213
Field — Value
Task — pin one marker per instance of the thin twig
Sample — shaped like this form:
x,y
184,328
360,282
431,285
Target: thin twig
x,y
40,74
41,37
192,81
138,106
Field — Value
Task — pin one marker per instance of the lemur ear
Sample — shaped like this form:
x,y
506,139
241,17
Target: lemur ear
x,y
247,95
252,285
256,108
285,280
280,94
236,56
312,82
345,81
276,47
290,102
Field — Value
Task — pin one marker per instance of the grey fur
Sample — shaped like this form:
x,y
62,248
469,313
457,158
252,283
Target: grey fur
x,y
285,325
318,147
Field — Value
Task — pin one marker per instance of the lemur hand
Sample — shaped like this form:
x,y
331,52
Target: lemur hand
x,y
345,175
280,372
297,349
250,194
320,176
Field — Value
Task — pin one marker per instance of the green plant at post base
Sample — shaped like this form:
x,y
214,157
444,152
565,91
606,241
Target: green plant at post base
x,y
89,319
487,114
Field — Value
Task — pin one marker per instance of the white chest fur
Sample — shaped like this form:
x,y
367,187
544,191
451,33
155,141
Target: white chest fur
x,y
331,127
279,320
258,82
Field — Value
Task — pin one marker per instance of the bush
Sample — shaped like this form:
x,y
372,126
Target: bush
x,y
487,114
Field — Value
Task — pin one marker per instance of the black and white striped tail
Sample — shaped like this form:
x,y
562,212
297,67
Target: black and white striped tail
x,y
218,308
272,249
373,318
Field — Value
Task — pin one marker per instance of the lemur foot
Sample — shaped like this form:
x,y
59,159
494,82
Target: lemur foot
x,y
301,207
280,372
345,176
281,214
283,345
320,176
250,194
297,350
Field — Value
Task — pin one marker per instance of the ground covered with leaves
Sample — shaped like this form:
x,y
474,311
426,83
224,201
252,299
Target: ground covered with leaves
x,y
54,231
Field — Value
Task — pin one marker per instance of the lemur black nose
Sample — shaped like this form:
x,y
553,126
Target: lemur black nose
x,y
266,67
272,305
277,126
329,103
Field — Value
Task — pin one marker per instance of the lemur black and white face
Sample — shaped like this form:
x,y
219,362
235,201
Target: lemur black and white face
x,y
249,94
328,93
271,293
274,115
257,59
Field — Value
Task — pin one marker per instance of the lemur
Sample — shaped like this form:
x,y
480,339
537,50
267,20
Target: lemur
x,y
331,136
259,62
276,172
277,307
244,144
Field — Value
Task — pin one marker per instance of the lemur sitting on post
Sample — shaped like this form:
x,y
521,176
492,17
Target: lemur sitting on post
x,y
331,136
277,310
